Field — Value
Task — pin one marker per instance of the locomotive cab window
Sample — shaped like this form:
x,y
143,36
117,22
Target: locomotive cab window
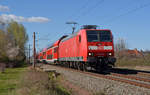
x,y
99,36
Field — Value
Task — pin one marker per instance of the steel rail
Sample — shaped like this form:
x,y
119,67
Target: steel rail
x,y
144,74
131,77
131,82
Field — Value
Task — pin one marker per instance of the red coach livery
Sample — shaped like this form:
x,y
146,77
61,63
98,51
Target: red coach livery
x,y
89,47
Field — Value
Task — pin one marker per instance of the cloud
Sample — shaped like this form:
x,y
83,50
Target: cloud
x,y
4,8
37,19
7,18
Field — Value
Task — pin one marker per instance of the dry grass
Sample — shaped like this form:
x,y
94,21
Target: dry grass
x,y
100,93
127,60
39,83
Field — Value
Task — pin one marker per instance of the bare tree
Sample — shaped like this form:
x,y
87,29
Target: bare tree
x,y
120,48
120,45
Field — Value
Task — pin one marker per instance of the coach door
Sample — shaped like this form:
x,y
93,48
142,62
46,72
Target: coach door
x,y
78,43
53,54
55,51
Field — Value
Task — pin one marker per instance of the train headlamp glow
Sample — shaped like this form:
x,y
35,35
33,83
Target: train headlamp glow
x,y
109,54
90,54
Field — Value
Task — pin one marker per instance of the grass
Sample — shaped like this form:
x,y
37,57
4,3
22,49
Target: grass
x,y
60,87
21,81
40,83
133,61
100,93
9,80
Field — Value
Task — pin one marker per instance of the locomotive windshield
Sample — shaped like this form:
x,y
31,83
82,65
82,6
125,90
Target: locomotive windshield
x,y
98,36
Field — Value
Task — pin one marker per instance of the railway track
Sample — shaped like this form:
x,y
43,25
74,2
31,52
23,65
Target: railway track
x,y
132,77
129,79
120,77
143,74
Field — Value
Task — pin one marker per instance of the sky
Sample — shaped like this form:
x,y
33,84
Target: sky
x,y
127,19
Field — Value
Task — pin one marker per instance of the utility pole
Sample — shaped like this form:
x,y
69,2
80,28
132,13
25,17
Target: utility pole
x,y
34,51
29,53
73,27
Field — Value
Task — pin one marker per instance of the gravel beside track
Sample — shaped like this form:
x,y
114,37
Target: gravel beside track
x,y
97,85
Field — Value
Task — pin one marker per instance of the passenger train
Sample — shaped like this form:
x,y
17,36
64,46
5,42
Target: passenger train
x,y
88,48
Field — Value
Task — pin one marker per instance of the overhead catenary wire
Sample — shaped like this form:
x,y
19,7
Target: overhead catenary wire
x,y
80,9
121,15
72,15
116,10
90,9
128,12
85,9
66,28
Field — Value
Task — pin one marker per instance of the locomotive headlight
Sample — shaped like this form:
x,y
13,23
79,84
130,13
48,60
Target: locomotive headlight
x,y
90,54
109,54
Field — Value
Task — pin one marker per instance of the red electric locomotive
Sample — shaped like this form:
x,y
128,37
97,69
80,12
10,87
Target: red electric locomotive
x,y
89,47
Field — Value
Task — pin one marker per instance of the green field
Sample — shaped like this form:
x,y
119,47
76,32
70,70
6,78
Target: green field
x,y
9,80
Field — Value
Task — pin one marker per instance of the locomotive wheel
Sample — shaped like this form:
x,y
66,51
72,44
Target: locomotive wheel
x,y
64,64
84,66
74,65
69,65
78,65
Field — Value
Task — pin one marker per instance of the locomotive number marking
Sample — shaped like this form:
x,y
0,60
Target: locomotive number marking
x,y
100,48
93,47
107,47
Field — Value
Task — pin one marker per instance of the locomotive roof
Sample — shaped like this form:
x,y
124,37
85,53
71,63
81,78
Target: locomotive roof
x,y
53,44
75,33
70,36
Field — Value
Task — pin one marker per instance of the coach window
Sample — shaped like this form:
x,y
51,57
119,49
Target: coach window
x,y
49,56
79,38
41,57
44,53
